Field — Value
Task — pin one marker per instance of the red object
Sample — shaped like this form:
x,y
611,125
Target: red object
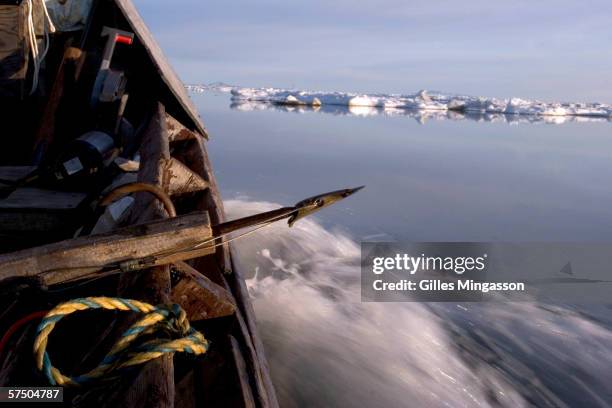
x,y
124,39
18,324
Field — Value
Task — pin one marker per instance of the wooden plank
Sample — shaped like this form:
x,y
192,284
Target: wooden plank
x,y
182,179
199,296
243,376
15,173
33,210
254,366
72,258
193,153
257,353
154,153
167,74
43,222
215,384
185,396
29,198
178,178
177,132
154,385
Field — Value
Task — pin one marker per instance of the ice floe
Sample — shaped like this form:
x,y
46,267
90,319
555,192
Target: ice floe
x,y
434,104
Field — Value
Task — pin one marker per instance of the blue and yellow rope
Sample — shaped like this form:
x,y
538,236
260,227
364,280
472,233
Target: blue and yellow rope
x,y
124,354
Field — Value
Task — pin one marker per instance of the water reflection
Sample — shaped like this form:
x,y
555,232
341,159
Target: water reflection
x,y
421,116
453,180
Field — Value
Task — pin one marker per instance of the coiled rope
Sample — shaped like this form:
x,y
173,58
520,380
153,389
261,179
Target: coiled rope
x,y
125,353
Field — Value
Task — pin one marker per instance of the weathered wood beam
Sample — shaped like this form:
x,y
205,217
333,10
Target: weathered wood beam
x,y
154,152
177,132
200,297
154,384
70,259
193,153
243,376
256,366
182,179
244,303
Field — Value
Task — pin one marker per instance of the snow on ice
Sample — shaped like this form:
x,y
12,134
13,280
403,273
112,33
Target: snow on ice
x,y
421,101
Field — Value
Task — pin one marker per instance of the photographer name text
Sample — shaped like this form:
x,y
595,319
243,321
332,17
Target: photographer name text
x,y
410,265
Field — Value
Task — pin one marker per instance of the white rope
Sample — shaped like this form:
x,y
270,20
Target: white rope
x,y
33,46
51,28
48,27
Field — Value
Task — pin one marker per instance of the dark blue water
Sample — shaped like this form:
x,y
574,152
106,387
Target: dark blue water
x,y
441,180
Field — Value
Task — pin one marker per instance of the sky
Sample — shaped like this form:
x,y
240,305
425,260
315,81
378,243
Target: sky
x,y
549,50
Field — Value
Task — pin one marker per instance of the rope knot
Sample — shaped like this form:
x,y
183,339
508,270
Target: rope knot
x,y
127,352
177,319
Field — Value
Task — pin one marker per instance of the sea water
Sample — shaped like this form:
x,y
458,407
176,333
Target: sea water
x,y
427,179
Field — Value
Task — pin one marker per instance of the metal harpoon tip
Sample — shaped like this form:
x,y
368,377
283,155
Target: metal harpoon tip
x,y
310,205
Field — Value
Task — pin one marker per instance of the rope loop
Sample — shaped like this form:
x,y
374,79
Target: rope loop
x,y
126,352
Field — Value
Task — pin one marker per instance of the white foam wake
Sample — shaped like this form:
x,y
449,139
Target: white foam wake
x,y
421,101
326,348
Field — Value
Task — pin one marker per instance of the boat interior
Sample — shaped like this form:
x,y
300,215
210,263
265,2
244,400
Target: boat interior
x,y
105,156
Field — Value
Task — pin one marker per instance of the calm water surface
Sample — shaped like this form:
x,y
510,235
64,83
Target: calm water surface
x,y
442,180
